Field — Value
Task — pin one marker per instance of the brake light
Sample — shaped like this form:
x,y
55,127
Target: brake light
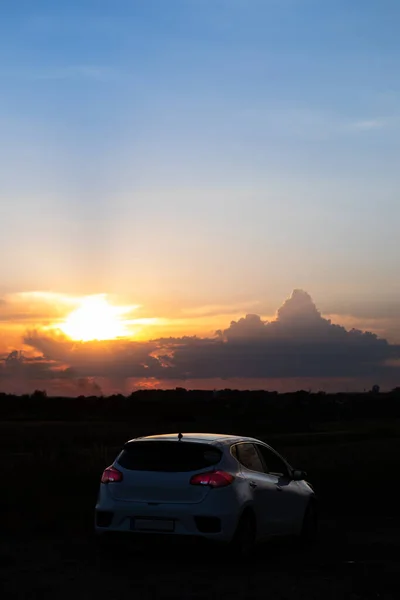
x,y
111,475
215,479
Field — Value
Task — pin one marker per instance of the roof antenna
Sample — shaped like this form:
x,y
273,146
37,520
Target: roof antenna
x,y
180,436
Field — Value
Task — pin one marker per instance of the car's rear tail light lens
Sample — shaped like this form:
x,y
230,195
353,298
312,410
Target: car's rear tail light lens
x,y
111,475
215,479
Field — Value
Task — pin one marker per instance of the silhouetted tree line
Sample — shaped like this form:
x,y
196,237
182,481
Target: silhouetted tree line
x,y
229,409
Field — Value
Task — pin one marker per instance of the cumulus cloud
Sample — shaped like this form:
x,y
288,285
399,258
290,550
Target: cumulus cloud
x,y
117,358
298,344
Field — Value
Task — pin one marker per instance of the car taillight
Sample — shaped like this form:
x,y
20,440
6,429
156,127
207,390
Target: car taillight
x,y
111,475
213,479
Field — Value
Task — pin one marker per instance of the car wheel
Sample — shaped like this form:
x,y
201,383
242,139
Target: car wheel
x,y
245,536
309,528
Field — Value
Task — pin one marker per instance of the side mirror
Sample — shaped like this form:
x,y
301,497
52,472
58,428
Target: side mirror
x,y
298,475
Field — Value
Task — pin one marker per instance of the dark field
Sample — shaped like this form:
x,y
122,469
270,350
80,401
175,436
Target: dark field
x,y
50,474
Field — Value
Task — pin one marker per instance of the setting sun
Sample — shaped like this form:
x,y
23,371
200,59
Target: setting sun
x,y
95,319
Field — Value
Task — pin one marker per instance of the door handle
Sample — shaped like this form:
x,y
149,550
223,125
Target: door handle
x,y
252,484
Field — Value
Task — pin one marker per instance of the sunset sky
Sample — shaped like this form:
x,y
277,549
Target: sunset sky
x,y
169,167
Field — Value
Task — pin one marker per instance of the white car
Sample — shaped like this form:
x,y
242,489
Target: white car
x,y
221,487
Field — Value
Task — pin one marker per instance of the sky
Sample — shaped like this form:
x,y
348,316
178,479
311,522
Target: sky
x,y
189,163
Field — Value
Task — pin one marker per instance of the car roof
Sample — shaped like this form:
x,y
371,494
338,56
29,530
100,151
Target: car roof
x,y
213,438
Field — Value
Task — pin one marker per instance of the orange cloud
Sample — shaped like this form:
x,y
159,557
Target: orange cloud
x,y
298,345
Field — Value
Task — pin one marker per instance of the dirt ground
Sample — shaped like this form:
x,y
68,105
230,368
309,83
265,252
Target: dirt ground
x,y
351,560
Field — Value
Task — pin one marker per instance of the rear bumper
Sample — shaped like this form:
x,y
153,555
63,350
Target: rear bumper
x,y
191,520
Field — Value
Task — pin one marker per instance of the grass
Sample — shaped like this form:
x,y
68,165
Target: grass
x,y
51,470
50,475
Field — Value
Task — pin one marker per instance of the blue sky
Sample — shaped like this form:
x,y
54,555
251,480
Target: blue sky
x,y
200,151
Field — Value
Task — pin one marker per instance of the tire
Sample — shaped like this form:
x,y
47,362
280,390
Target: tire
x,y
309,530
244,540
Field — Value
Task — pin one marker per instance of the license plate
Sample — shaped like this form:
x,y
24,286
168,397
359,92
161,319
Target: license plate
x,y
152,525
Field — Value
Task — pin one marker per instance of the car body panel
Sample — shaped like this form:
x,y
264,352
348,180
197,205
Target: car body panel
x,y
156,487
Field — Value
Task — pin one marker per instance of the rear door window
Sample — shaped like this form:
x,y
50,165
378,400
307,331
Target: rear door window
x,y
248,456
168,456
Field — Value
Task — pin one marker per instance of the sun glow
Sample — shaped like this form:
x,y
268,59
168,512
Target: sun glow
x,y
96,319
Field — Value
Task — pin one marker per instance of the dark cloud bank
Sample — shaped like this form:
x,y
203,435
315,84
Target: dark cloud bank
x,y
300,343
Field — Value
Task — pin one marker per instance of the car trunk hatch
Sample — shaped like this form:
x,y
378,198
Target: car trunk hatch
x,y
160,471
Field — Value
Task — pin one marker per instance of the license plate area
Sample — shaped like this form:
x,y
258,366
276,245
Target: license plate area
x,y
160,525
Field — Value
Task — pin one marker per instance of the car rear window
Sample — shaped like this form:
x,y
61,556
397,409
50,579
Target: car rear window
x,y
168,456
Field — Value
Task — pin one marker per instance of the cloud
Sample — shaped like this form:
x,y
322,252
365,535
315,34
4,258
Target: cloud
x,y
366,308
299,344
93,72
21,374
61,23
79,72
52,308
378,316
211,310
116,358
369,124
37,307
312,123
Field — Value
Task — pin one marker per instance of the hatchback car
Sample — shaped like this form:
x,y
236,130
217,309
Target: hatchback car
x,y
221,487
